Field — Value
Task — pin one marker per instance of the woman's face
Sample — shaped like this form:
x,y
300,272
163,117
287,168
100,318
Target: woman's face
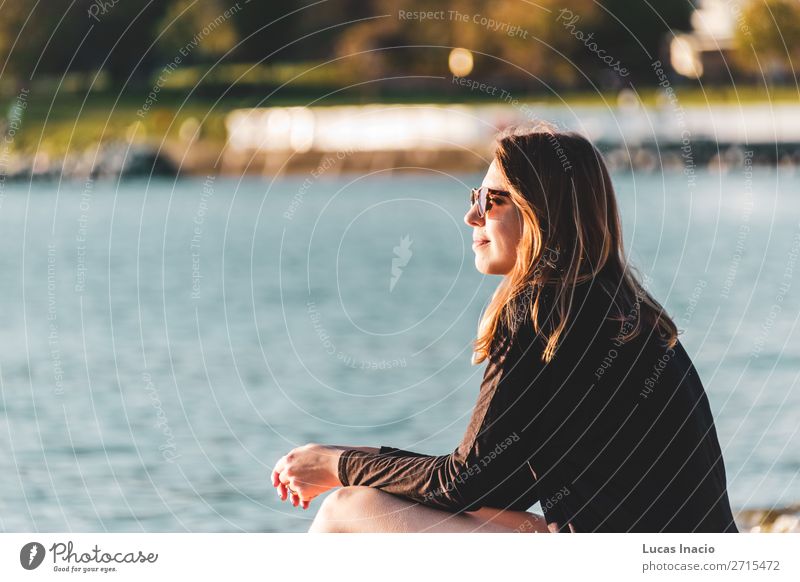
x,y
496,234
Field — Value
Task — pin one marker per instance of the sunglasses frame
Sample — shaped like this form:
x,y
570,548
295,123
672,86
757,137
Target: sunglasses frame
x,y
481,196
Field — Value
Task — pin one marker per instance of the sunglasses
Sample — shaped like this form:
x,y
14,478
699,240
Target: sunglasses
x,y
485,196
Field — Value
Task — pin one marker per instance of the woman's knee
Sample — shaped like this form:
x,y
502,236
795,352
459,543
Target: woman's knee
x,y
340,507
345,500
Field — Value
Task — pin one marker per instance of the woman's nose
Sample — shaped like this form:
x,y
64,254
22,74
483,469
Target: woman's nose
x,y
472,218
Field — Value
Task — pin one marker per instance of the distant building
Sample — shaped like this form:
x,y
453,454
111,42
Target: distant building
x,y
705,50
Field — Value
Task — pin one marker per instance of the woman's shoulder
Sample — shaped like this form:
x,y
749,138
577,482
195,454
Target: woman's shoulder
x,y
535,311
541,302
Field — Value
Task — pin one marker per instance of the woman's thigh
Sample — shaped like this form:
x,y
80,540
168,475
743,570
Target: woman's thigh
x,y
516,521
366,509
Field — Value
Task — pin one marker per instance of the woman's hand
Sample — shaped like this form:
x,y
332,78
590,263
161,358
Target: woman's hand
x,y
307,471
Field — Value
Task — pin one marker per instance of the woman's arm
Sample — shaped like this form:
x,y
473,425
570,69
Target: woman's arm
x,y
383,450
312,469
365,449
490,465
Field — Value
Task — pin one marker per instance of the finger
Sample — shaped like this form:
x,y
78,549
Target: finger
x,y
295,499
306,503
285,484
282,492
276,471
283,477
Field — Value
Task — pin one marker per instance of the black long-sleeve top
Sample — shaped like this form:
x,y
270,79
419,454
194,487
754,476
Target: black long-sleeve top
x,y
608,436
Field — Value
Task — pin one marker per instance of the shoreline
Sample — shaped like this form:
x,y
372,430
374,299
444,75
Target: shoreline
x,y
120,160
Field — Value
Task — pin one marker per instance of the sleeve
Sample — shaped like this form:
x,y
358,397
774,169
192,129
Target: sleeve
x,y
494,450
395,452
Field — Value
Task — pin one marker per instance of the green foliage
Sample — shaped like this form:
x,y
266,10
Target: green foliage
x,y
57,36
524,46
186,21
513,39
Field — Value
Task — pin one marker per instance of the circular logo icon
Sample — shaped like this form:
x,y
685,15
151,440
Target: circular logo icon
x,y
31,555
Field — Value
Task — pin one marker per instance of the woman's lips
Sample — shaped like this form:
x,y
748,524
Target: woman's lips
x,y
476,244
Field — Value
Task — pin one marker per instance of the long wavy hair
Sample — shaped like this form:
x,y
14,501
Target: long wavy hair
x,y
571,233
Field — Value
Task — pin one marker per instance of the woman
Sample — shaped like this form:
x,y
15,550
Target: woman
x,y
589,403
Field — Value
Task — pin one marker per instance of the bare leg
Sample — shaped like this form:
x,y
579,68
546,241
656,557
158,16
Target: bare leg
x,y
370,510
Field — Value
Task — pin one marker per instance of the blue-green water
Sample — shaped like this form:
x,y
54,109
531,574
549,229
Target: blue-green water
x,y
164,343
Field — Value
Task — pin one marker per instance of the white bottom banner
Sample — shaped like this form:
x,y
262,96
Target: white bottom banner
x,y
397,557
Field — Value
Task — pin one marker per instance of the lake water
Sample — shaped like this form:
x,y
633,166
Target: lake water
x,y
164,343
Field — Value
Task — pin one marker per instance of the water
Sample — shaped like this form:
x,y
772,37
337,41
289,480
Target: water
x,y
164,343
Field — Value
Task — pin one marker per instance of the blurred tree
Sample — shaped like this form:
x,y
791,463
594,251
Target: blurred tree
x,y
770,31
268,26
48,37
125,34
514,41
199,28
638,32
297,30
24,32
51,37
458,23
543,38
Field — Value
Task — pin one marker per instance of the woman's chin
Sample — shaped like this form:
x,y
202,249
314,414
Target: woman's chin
x,y
487,267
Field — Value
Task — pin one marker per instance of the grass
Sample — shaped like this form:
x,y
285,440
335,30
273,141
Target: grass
x,y
64,122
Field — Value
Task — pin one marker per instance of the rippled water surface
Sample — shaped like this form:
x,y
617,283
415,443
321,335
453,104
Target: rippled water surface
x,y
164,343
